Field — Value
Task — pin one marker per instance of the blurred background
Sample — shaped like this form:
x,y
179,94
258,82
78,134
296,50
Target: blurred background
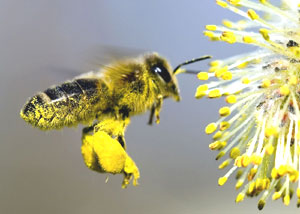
x,y
47,42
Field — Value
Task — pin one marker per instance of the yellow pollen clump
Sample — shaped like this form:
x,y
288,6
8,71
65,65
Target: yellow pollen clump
x,y
266,83
274,173
223,144
282,170
251,187
240,197
221,154
252,14
234,153
295,51
224,164
294,176
245,80
215,63
224,125
227,23
202,76
284,90
220,71
234,2
243,65
224,111
276,195
201,91
213,68
256,159
238,184
226,75
242,161
222,180
215,145
286,199
259,184
298,192
248,39
217,135
263,1
265,33
208,34
251,174
231,99
293,80
271,131
228,36
215,93
210,128
222,3
270,149
211,27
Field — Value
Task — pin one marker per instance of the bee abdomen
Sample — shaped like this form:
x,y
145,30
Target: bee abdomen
x,y
65,105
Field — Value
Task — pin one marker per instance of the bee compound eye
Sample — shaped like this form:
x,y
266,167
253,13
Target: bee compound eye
x,y
162,72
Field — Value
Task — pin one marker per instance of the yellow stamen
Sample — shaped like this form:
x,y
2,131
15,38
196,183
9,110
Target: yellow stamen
x,y
234,153
265,33
284,90
210,128
211,27
202,76
266,83
276,195
201,91
228,36
252,14
217,135
238,184
222,3
215,93
240,197
222,181
224,125
224,111
286,200
231,99
224,164
226,75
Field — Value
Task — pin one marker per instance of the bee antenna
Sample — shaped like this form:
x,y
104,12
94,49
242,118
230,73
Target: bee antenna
x,y
190,62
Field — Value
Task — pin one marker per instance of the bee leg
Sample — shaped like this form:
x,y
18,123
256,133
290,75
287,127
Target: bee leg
x,y
87,150
88,129
158,108
151,115
105,154
122,141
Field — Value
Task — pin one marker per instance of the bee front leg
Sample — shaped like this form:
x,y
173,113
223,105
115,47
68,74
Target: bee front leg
x,y
158,108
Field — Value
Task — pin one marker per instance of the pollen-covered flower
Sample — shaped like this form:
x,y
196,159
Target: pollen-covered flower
x,y
258,133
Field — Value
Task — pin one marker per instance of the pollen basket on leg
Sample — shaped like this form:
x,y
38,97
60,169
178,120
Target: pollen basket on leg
x,y
258,133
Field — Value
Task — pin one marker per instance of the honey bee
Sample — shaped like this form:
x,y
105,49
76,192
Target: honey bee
x,y
105,101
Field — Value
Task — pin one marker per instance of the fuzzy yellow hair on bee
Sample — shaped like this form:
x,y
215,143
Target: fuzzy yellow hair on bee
x,y
105,101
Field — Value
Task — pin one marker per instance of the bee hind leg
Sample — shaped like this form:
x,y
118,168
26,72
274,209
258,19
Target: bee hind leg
x,y
104,153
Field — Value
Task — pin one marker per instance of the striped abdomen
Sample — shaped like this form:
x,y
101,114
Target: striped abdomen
x,y
67,104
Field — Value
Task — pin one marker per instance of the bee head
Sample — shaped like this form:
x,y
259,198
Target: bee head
x,y
162,75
